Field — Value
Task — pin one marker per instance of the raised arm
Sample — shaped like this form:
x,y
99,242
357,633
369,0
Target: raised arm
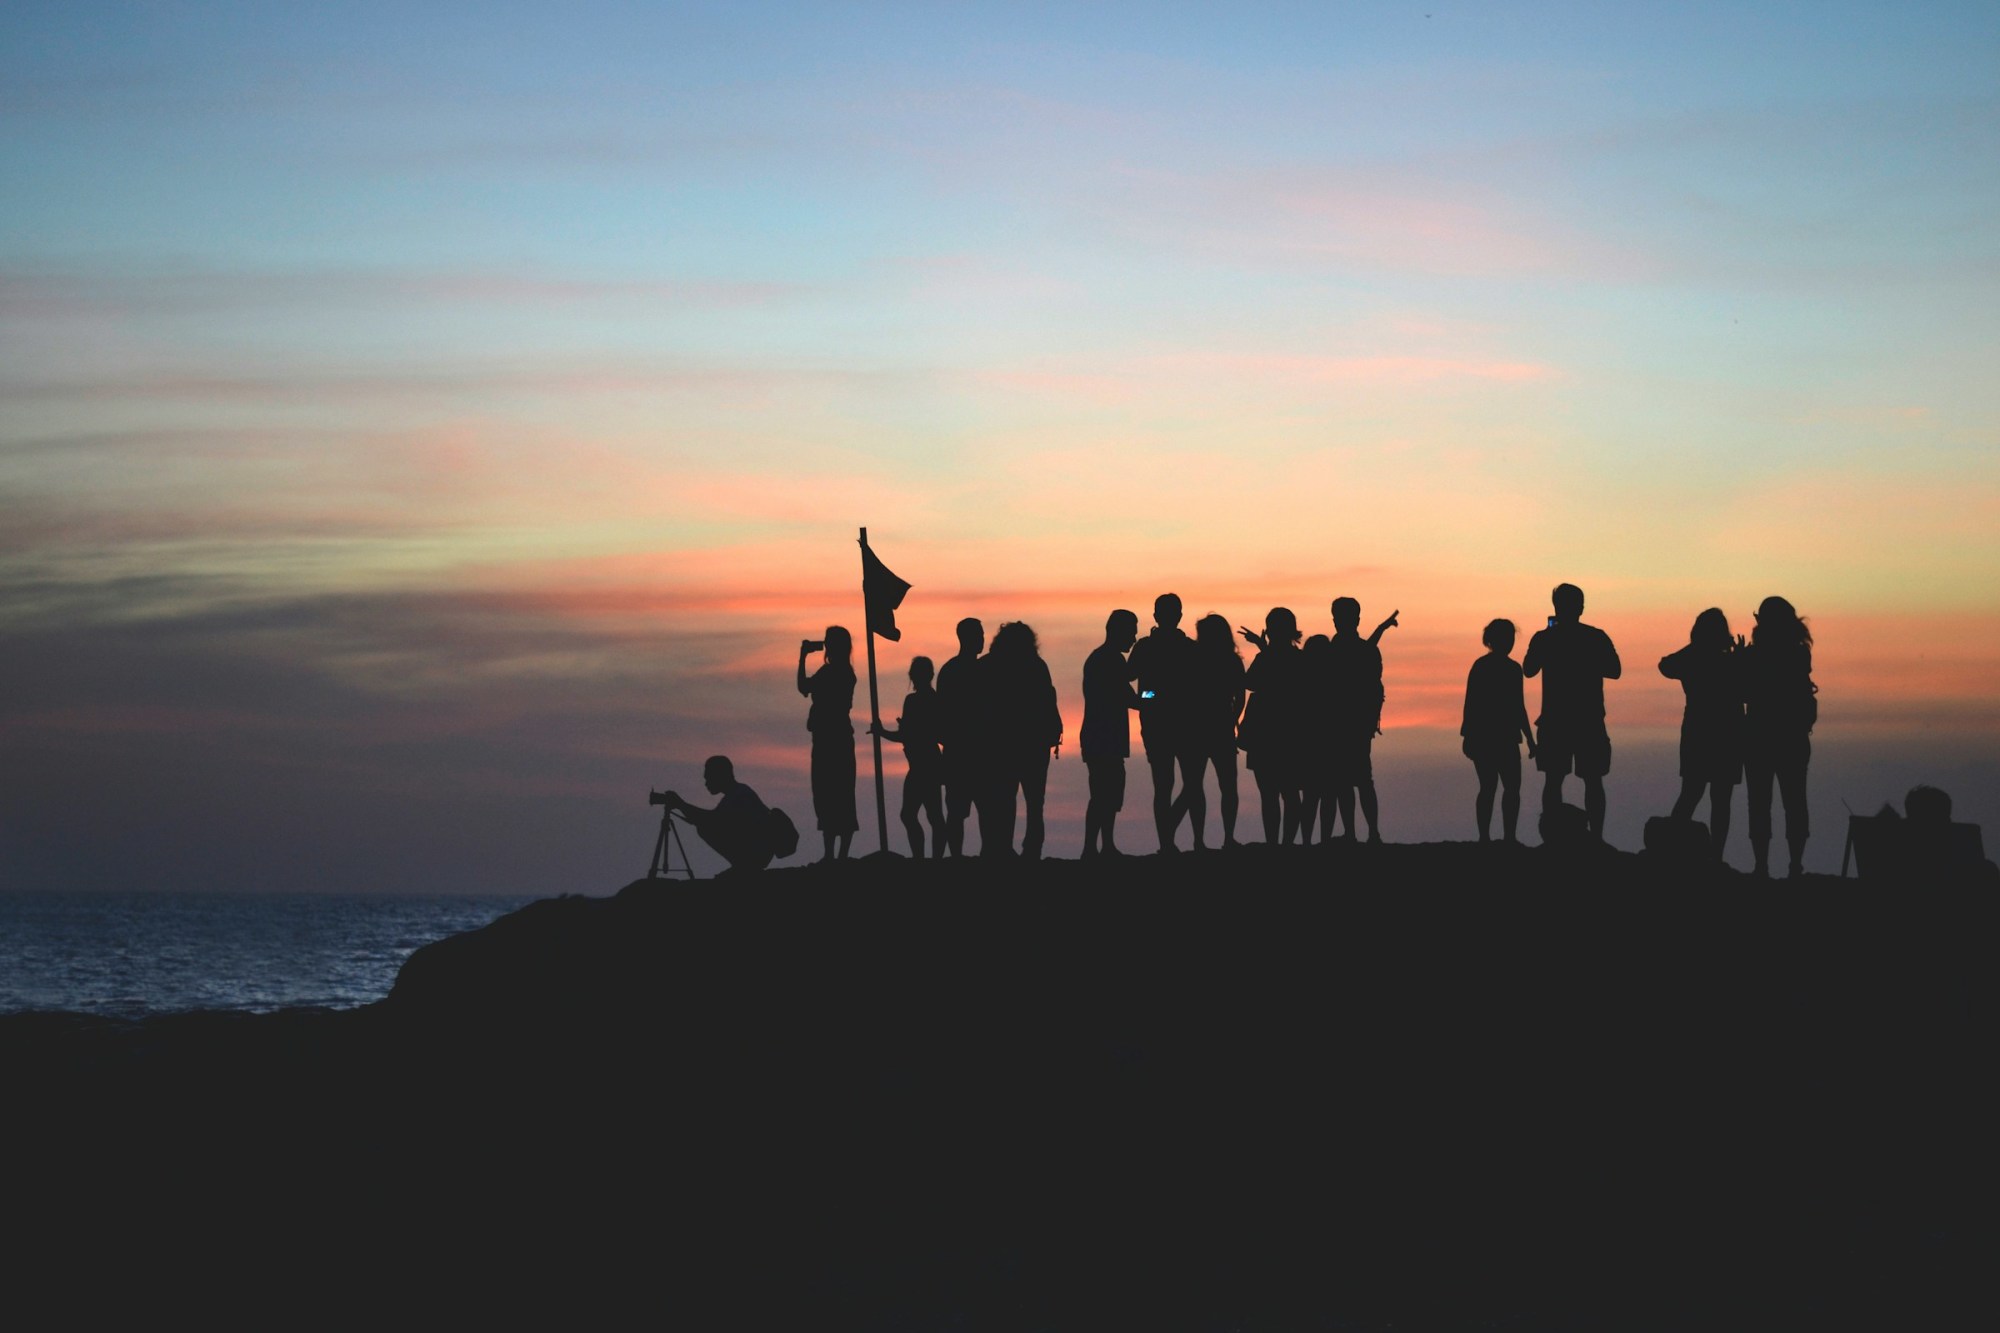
x,y
1673,665
805,681
1385,627
1531,661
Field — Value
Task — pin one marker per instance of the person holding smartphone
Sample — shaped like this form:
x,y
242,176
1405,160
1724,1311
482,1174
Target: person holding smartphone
x,y
1574,660
831,689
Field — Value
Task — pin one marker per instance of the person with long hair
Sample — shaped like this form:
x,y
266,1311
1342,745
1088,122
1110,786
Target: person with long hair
x,y
1491,730
831,689
1027,726
1782,705
1216,683
1269,734
1711,723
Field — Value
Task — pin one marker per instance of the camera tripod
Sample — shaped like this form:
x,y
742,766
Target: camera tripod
x,y
664,848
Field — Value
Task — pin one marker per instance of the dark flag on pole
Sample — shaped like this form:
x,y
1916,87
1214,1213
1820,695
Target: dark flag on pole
x,y
883,592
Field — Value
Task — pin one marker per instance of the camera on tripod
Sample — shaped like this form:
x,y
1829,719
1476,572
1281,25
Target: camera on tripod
x,y
666,798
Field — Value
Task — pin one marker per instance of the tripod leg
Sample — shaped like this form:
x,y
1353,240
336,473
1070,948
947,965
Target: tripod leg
x,y
660,857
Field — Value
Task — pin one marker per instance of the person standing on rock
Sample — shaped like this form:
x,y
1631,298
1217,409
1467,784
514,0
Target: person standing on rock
x,y
961,731
1027,726
1106,736
1355,695
923,786
1214,710
1711,676
1271,733
1782,707
1574,660
1163,665
1492,727
831,689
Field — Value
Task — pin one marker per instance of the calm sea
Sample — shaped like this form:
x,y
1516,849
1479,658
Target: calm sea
x,y
133,954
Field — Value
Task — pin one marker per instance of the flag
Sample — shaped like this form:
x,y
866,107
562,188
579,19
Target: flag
x,y
883,592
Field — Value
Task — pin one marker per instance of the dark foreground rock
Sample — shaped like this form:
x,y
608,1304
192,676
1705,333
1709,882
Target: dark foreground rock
x,y
1438,1086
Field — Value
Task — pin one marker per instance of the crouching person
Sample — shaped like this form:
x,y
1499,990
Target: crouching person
x,y
741,828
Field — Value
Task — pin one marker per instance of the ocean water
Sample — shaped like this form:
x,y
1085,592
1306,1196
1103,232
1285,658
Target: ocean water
x,y
130,955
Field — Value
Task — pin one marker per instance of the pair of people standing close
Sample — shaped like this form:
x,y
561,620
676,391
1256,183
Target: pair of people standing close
x,y
1574,660
1189,696
979,742
1309,728
1749,706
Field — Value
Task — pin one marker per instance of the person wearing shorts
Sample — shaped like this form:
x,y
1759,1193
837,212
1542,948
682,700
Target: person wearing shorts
x,y
1574,660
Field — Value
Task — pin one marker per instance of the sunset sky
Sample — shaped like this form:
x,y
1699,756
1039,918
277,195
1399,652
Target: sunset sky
x,y
425,427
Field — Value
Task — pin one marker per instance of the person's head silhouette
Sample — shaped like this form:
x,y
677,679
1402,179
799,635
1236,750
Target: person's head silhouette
x,y
1778,623
1499,636
1346,615
1167,611
1927,806
921,672
1212,631
1014,641
971,637
1281,626
1567,599
718,774
839,644
1711,631
1121,629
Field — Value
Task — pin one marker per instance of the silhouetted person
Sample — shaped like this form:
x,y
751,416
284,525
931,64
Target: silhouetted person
x,y
738,828
1020,699
962,732
1355,697
1163,665
1574,660
831,689
923,777
1711,677
1781,708
1271,734
1493,727
1215,704
1106,736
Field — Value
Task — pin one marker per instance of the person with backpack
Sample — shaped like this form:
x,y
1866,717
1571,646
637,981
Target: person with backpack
x,y
740,828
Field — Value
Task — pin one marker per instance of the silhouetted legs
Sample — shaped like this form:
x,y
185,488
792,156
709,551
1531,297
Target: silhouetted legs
x,y
923,794
958,791
1280,803
1225,785
1163,765
996,807
1502,770
1719,796
1107,797
1593,801
1193,800
1033,781
836,845
1791,780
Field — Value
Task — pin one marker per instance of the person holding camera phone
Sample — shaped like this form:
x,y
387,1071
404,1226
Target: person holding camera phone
x,y
1574,660
1106,735
831,689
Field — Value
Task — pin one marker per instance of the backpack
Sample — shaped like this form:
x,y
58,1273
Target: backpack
x,y
784,835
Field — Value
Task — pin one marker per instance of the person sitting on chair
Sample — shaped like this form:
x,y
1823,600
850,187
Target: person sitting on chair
x,y
739,827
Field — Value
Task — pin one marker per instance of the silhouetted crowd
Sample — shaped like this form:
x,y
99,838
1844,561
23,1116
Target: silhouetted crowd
x,y
978,733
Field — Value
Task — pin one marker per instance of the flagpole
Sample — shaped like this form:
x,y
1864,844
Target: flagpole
x,y
874,703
